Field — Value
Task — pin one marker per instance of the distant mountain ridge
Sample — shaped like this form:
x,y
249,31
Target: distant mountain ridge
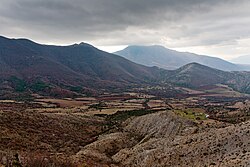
x,y
242,60
26,66
170,59
79,65
195,75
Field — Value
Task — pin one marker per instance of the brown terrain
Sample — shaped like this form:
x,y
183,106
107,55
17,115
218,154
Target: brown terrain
x,y
77,106
131,129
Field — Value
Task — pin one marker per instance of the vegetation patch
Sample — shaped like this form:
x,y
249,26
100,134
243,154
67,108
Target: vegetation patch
x,y
18,84
99,106
39,86
190,114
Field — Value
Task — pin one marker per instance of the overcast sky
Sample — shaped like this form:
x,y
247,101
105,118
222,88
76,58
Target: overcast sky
x,y
214,27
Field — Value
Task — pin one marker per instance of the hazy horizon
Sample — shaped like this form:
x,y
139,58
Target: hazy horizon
x,y
113,49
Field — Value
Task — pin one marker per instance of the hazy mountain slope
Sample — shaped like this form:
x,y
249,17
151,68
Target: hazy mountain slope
x,y
84,66
242,60
195,75
170,59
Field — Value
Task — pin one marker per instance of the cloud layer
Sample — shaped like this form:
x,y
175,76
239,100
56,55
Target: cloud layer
x,y
218,27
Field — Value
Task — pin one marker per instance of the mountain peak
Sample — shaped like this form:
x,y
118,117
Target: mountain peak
x,y
194,64
157,55
196,67
196,75
83,44
146,47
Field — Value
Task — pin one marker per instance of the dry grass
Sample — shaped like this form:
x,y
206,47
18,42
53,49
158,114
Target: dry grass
x,y
64,102
109,111
156,103
50,133
10,159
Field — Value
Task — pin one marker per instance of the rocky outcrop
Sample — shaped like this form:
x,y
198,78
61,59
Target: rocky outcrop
x,y
106,146
163,124
164,139
219,147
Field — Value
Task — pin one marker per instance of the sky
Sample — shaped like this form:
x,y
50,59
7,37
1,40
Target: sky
x,y
217,28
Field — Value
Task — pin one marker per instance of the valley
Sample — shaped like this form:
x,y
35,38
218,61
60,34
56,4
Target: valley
x,y
101,130
124,83
78,106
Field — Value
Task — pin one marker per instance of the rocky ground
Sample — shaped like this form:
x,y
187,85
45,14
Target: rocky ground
x,y
164,139
35,135
139,138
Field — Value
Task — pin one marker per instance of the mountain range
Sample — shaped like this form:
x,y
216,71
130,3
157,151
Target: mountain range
x,y
170,59
78,65
26,66
195,75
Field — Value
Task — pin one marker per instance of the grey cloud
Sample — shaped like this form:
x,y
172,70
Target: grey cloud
x,y
123,22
